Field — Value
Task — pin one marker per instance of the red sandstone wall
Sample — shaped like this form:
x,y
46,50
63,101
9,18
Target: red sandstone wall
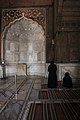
x,y
67,26
20,3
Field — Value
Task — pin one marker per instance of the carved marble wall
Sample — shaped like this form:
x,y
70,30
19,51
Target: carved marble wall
x,y
73,69
21,69
23,35
24,42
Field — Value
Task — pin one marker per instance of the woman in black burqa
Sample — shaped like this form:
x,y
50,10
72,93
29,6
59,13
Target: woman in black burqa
x,y
52,76
67,81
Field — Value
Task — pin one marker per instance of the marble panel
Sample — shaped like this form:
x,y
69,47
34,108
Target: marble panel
x,y
7,45
11,69
32,69
73,69
41,69
26,39
39,56
17,47
12,47
1,72
36,69
21,69
23,46
23,57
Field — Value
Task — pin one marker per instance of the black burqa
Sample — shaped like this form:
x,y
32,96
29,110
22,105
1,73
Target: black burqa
x,y
67,81
52,77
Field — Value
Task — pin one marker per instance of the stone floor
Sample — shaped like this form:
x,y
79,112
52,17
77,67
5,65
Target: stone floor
x,y
16,95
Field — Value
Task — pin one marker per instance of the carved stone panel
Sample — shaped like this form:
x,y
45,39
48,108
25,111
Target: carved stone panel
x,y
24,42
21,69
24,35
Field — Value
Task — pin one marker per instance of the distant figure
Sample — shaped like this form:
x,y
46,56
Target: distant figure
x,y
67,81
52,77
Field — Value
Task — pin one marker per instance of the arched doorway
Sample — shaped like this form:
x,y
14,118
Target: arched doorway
x,y
24,42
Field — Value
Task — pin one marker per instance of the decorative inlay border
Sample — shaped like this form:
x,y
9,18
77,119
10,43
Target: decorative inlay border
x,y
36,14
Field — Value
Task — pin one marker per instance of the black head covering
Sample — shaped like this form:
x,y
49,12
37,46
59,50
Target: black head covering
x,y
67,74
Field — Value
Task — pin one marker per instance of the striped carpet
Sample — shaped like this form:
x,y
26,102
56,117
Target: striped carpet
x,y
54,111
60,94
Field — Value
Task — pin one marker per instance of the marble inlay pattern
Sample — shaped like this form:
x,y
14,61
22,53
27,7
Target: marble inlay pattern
x,y
24,42
21,69
23,39
37,14
73,69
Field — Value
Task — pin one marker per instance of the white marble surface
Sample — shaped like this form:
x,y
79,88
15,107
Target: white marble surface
x,y
41,69
72,68
24,41
21,69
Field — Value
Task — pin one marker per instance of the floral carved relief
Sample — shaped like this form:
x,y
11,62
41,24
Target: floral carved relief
x,y
36,14
24,35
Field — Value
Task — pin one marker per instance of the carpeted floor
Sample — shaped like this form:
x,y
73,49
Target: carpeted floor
x,y
54,111
60,94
